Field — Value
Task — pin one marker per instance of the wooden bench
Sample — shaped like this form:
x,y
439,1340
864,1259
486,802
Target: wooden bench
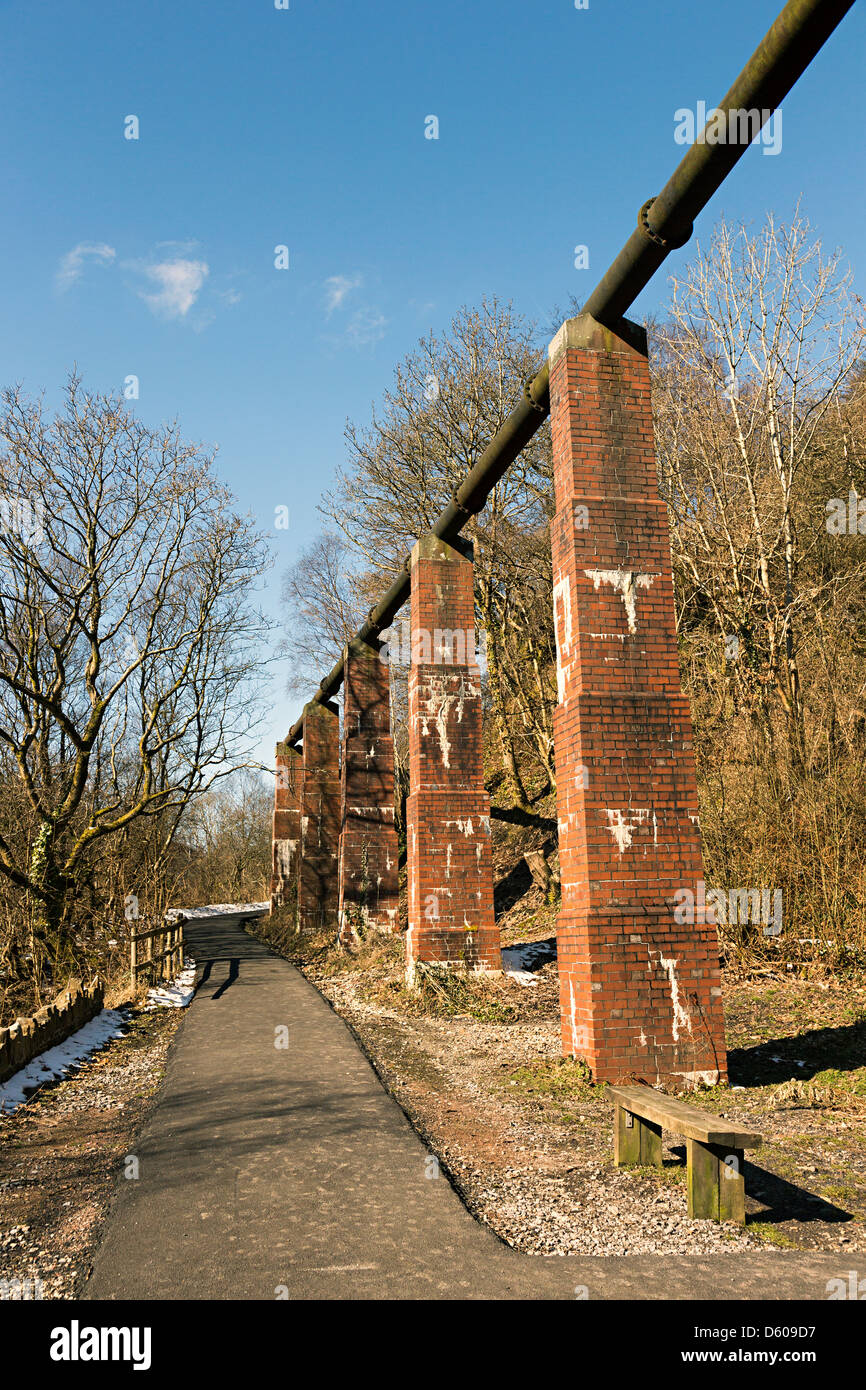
x,y
714,1150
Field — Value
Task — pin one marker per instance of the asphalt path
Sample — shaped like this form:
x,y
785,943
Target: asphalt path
x,y
274,1164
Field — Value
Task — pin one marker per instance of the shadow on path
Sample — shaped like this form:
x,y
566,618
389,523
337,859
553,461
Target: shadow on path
x,y
234,971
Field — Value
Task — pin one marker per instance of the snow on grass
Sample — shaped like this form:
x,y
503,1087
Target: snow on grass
x,y
217,910
521,960
177,994
78,1047
58,1060
521,977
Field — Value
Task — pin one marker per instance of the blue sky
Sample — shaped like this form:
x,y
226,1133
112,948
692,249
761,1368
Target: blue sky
x,y
305,127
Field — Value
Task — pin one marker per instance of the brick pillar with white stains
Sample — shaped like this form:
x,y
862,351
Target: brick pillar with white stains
x,y
638,963
369,891
449,860
286,826
320,818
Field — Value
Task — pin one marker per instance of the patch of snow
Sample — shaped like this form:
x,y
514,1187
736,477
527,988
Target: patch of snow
x,y
176,995
58,1060
217,910
521,960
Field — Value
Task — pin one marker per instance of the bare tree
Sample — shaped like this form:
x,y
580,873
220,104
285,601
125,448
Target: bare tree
x,y
449,398
128,635
760,417
322,594
228,833
748,376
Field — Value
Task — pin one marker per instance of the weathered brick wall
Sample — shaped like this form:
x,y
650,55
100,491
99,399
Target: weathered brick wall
x,y
286,825
640,992
448,812
27,1037
369,891
320,818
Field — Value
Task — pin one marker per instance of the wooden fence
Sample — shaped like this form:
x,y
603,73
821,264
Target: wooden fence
x,y
162,953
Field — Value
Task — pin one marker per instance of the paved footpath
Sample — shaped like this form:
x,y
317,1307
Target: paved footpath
x,y
265,1168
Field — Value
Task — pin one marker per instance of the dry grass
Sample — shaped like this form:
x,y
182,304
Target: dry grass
x,y
378,964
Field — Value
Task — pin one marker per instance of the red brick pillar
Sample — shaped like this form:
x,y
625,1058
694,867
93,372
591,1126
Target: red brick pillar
x,y
320,818
369,893
447,812
639,986
287,826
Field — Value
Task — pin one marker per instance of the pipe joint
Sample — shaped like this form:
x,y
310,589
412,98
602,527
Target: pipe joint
x,y
465,512
663,243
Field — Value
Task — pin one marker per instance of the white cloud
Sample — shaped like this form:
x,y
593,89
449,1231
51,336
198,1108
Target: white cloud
x,y
337,287
366,326
72,264
179,282
178,246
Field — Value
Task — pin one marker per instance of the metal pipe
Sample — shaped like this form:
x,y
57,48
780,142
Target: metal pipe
x,y
511,437
664,224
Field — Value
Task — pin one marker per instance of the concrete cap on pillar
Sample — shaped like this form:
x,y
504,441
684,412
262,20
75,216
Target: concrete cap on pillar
x,y
286,750
316,709
431,547
587,333
363,651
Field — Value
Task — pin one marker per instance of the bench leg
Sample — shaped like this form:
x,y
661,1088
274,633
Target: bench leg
x,y
732,1188
635,1141
715,1182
